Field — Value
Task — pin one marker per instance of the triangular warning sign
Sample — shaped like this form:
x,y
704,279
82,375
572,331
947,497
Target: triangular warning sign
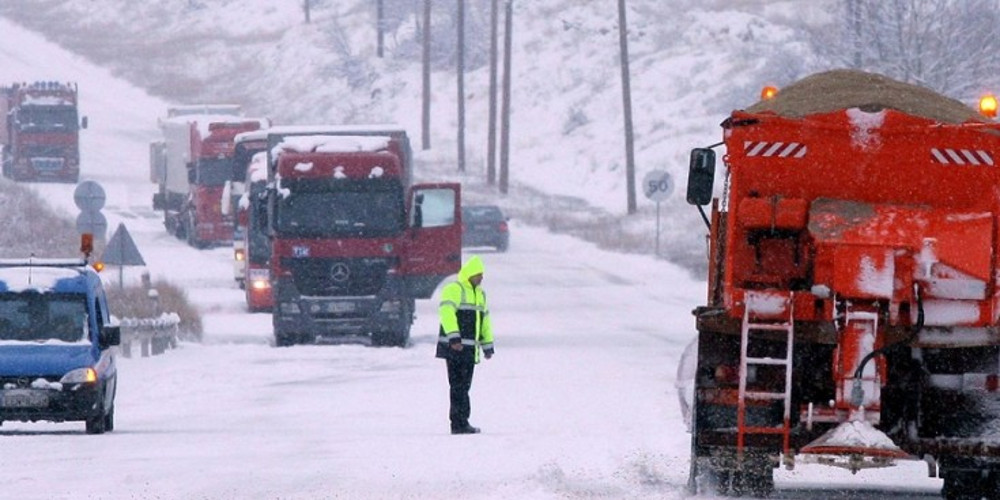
x,y
121,250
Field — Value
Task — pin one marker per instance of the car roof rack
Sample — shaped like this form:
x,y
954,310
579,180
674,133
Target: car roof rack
x,y
43,262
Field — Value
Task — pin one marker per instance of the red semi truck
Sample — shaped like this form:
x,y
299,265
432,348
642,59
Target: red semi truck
x,y
40,132
353,242
192,165
256,245
246,147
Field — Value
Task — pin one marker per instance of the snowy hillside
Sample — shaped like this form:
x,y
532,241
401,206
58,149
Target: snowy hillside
x,y
691,63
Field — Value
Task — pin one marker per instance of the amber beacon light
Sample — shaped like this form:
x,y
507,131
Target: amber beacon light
x,y
768,92
988,105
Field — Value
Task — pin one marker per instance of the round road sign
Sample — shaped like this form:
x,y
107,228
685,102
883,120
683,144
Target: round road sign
x,y
89,195
93,222
657,185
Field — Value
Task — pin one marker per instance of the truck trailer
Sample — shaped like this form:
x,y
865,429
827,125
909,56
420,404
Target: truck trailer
x,y
192,164
40,132
353,242
853,287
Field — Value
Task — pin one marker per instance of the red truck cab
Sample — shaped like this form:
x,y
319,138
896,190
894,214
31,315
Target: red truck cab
x,y
40,132
353,243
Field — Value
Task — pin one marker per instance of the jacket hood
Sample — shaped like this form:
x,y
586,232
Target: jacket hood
x,y
472,267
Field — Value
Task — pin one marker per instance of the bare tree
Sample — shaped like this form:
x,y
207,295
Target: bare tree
x,y
945,45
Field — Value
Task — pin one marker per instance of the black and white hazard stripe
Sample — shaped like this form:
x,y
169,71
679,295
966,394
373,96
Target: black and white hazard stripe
x,y
949,156
775,149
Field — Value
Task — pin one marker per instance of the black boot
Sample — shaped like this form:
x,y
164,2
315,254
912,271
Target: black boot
x,y
468,429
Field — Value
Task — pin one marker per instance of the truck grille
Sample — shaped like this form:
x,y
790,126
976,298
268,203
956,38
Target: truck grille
x,y
338,277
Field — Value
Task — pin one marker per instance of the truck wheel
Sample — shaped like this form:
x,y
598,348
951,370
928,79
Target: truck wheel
x,y
963,484
704,478
756,482
192,236
284,339
394,338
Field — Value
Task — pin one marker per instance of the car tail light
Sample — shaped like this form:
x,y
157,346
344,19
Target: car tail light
x,y
503,226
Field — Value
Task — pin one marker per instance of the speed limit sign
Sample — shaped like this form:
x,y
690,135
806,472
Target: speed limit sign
x,y
657,185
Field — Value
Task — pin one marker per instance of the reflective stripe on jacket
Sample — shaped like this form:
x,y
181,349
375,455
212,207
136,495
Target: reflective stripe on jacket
x,y
464,315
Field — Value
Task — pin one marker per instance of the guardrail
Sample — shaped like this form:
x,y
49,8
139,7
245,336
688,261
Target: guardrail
x,y
153,335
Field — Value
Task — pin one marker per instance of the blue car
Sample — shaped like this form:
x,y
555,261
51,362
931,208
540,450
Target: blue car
x,y
485,226
56,361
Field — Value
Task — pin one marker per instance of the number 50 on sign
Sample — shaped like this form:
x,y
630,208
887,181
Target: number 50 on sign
x,y
657,185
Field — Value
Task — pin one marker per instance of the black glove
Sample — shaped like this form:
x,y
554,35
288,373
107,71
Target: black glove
x,y
488,353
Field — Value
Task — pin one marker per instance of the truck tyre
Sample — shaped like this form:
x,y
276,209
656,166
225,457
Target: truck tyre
x,y
963,484
705,478
756,481
284,339
192,234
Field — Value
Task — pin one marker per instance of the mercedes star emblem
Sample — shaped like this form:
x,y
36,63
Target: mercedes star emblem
x,y
340,272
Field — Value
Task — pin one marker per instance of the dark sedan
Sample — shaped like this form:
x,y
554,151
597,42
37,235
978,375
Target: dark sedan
x,y
485,226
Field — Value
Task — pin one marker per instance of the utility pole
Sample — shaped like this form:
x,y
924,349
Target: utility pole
x,y
425,131
491,148
505,111
380,21
854,18
627,105
461,85
305,7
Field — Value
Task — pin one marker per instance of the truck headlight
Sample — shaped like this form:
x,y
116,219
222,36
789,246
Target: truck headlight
x,y
80,376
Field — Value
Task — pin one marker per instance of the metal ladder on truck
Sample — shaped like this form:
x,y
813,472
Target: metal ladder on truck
x,y
765,311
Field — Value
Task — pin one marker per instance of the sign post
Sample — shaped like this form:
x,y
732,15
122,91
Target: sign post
x,y
658,186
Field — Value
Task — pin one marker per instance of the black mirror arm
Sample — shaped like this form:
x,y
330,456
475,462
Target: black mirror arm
x,y
704,217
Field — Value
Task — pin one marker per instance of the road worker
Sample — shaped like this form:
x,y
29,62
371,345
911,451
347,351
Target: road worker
x,y
465,330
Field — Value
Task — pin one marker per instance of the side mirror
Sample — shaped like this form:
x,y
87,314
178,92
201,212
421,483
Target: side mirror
x,y
701,176
418,210
192,175
111,335
270,196
83,122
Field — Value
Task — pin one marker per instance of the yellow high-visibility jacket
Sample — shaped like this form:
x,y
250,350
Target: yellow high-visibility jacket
x,y
465,316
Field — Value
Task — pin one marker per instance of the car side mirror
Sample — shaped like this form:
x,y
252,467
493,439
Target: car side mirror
x,y
701,176
110,335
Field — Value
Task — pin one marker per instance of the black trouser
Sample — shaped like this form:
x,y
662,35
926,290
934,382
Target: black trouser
x,y
460,381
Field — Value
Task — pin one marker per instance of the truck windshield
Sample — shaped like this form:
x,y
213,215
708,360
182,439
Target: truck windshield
x,y
30,316
214,171
47,119
360,210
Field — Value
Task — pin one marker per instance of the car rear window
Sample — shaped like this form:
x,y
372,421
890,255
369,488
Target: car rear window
x,y
482,213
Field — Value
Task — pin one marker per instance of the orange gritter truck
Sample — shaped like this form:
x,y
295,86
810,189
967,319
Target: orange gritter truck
x,y
853,288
